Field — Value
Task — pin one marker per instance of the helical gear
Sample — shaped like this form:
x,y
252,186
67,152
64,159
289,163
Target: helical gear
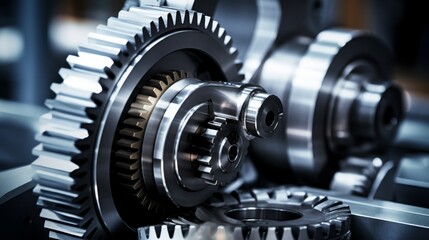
x,y
220,137
69,144
128,164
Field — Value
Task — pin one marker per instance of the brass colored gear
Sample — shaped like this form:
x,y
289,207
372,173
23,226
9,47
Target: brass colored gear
x,y
130,134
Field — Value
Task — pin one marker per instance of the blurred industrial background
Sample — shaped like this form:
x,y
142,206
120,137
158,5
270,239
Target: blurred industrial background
x,y
36,37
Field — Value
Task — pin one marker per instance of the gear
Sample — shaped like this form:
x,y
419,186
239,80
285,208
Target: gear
x,y
189,232
293,215
73,168
220,139
356,176
127,164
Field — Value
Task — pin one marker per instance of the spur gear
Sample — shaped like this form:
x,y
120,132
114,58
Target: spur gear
x,y
356,176
223,148
73,168
261,214
127,164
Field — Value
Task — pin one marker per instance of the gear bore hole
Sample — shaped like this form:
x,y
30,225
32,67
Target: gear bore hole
x,y
389,118
233,153
269,118
255,214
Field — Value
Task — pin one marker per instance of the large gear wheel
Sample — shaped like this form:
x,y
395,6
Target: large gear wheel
x,y
272,214
73,168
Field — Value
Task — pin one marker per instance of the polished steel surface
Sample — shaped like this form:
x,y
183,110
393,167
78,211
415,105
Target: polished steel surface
x,y
167,166
340,96
375,219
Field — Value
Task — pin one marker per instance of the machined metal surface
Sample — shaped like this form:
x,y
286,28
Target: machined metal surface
x,y
292,215
341,98
376,219
176,118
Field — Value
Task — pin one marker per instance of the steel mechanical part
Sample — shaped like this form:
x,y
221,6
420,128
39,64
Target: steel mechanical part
x,y
268,23
175,128
356,176
73,170
375,219
264,212
223,151
189,232
197,135
339,91
127,161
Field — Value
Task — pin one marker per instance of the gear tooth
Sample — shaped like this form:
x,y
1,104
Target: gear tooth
x,y
120,23
315,231
233,52
328,229
114,53
205,169
147,100
254,233
228,42
129,143
140,113
103,68
121,33
127,154
135,186
238,234
222,34
183,74
204,160
63,89
132,166
131,133
135,122
215,27
129,176
209,23
111,41
151,91
165,78
160,85
67,229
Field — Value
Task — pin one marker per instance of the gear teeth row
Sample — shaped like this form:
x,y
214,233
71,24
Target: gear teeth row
x,y
127,162
336,223
63,167
188,232
204,159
